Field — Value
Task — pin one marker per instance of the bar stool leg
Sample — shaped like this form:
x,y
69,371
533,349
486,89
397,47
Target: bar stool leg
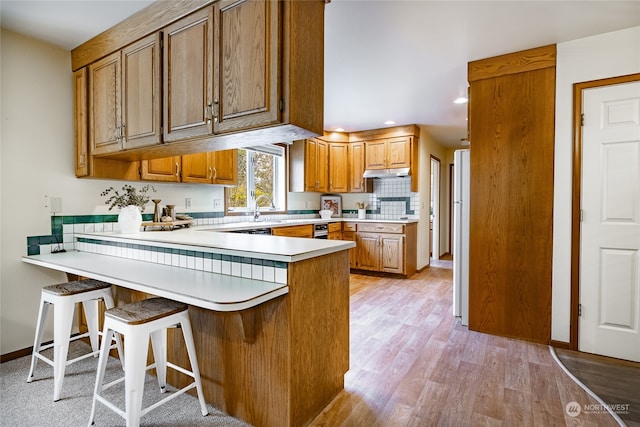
x,y
108,302
159,345
108,335
37,342
136,346
91,314
191,350
63,318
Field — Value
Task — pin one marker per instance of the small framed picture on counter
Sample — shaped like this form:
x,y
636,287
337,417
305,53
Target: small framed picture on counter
x,y
332,203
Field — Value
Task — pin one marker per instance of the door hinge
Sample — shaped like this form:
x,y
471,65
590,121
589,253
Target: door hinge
x,y
579,310
582,119
282,105
581,215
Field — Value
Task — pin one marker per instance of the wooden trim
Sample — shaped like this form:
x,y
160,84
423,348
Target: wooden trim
x,y
560,344
512,63
576,192
367,135
18,353
150,19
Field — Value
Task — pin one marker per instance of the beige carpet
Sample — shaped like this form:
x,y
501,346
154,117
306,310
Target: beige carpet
x,y
25,404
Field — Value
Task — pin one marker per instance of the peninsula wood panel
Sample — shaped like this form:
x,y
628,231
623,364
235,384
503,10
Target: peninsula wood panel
x,y
511,205
279,363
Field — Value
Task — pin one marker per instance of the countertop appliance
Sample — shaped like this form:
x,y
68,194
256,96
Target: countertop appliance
x,y
461,182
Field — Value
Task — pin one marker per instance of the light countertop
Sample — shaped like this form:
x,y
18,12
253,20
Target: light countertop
x,y
203,289
276,248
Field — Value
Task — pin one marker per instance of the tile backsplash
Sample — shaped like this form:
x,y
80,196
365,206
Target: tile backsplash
x,y
391,199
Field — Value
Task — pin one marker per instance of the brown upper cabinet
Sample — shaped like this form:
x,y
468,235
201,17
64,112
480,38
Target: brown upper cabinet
x,y
188,76
124,96
166,169
180,78
221,70
216,167
388,153
246,55
357,182
338,167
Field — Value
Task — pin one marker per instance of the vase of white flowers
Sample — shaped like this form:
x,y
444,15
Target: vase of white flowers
x,y
131,204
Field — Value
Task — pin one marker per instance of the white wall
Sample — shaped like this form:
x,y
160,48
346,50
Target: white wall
x,y
429,146
606,55
36,160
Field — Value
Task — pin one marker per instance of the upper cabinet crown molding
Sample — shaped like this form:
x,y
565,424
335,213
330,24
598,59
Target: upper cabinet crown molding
x,y
150,19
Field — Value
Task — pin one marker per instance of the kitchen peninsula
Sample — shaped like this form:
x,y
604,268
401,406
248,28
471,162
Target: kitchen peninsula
x,y
271,329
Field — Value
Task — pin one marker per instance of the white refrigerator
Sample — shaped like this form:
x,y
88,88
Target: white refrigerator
x,y
461,181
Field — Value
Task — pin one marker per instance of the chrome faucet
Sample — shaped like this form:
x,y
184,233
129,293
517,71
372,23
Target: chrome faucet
x,y
256,212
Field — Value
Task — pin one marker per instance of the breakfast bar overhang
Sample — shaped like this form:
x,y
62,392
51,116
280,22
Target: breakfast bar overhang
x,y
271,354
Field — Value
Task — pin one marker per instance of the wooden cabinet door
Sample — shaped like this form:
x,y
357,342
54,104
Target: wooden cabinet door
x,y
338,168
246,65
353,252
356,168
392,253
225,167
310,162
104,105
398,152
316,171
322,166
197,168
141,93
166,169
375,154
368,246
188,81
81,128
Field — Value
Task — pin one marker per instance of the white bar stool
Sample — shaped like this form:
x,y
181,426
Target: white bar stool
x,y
138,322
64,296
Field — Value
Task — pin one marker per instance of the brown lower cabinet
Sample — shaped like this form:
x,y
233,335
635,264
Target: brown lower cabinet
x,y
305,230
385,247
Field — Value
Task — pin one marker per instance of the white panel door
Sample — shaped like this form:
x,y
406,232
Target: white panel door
x,y
610,229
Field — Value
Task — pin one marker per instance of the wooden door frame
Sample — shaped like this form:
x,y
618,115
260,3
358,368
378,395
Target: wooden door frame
x,y
431,159
578,88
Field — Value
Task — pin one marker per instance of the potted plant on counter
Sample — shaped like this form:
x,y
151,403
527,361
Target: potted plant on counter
x,y
131,203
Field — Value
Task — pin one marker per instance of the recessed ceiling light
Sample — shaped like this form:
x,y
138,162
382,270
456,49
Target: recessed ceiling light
x,y
461,100
389,122
339,130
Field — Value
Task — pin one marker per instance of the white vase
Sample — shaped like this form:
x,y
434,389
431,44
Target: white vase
x,y
362,213
130,219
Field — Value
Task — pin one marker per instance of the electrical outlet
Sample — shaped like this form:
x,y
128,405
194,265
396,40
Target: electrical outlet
x,y
187,203
217,203
56,204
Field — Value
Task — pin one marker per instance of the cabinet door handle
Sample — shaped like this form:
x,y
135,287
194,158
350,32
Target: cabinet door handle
x,y
177,169
215,173
215,111
210,173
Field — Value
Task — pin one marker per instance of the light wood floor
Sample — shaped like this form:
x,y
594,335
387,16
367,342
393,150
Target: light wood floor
x,y
412,364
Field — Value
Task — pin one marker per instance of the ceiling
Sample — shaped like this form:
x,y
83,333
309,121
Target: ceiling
x,y
397,60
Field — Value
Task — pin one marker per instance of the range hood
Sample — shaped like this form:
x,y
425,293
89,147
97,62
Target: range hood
x,y
385,173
